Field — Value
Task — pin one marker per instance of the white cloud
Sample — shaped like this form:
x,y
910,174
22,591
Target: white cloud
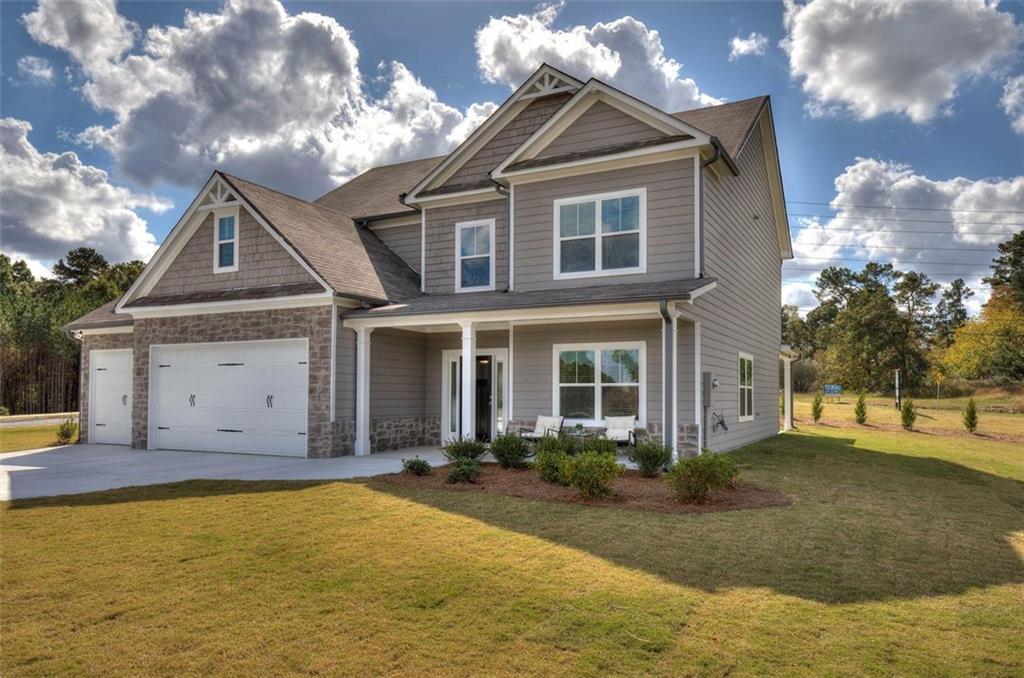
x,y
754,44
904,56
1013,102
274,97
624,53
54,202
36,69
952,230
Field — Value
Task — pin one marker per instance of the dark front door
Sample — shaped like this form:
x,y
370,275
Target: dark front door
x,y
484,363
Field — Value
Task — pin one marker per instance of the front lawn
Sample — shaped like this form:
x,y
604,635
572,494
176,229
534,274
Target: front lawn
x,y
901,554
14,439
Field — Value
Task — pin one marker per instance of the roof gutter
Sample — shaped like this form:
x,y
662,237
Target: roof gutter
x,y
721,153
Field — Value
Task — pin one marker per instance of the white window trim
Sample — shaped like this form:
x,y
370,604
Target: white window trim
x,y
217,214
598,419
458,254
740,388
598,235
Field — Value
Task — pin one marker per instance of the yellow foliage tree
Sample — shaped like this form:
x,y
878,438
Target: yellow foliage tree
x,y
992,346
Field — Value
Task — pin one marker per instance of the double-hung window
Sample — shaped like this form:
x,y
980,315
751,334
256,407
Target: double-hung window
x,y
601,234
746,386
225,241
474,255
594,381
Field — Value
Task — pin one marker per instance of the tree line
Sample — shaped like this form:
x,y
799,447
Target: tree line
x,y
871,322
39,361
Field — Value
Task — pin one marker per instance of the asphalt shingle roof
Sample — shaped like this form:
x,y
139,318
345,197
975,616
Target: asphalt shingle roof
x,y
103,316
730,122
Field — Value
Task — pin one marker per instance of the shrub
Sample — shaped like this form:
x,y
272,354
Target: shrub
x,y
4,411
651,458
971,416
817,407
416,466
464,471
694,478
591,473
548,463
908,414
564,444
464,448
860,410
66,430
510,451
596,443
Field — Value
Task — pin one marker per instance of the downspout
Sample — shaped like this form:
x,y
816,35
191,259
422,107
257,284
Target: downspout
x,y
423,240
511,224
668,375
700,211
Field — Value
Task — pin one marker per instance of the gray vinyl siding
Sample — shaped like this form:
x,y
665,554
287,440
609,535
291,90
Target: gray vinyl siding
x,y
345,373
600,126
507,140
403,241
532,361
396,373
684,372
261,261
670,223
439,342
742,313
440,250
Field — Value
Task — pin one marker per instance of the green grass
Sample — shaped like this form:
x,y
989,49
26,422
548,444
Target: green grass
x,y
18,438
901,554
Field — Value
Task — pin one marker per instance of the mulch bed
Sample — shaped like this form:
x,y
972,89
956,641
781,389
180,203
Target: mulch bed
x,y
632,491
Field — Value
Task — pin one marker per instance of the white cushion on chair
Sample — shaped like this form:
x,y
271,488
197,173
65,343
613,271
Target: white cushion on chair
x,y
547,424
618,428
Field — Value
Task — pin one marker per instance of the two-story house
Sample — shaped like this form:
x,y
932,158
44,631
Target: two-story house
x,y
582,254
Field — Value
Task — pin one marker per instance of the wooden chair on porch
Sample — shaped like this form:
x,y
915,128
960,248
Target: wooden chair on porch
x,y
620,429
545,426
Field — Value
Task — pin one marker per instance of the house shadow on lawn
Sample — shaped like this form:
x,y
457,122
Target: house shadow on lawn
x,y
864,526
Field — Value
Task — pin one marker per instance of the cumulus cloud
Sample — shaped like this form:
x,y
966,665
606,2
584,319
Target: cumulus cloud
x,y
36,69
251,89
55,202
1013,102
624,53
904,57
886,212
754,44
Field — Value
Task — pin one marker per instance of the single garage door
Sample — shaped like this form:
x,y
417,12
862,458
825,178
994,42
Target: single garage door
x,y
248,397
110,396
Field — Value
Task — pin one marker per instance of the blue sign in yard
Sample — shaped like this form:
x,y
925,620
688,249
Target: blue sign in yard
x,y
833,389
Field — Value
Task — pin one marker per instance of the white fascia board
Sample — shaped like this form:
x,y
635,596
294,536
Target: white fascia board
x,y
115,329
633,158
460,197
774,171
234,305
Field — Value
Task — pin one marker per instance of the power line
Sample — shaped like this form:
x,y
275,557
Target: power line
x,y
1014,224
899,232
898,207
964,274
901,247
902,263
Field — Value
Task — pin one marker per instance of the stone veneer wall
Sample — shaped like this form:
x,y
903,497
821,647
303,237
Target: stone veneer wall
x,y
313,322
94,342
688,440
396,433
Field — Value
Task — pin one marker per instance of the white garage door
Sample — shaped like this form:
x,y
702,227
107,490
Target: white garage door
x,y
110,397
247,397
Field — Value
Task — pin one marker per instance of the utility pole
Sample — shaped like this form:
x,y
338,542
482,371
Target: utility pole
x,y
897,389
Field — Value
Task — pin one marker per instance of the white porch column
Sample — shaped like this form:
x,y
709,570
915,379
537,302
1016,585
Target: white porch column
x,y
363,390
787,396
468,380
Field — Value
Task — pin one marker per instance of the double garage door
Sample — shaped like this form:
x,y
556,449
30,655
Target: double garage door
x,y
244,397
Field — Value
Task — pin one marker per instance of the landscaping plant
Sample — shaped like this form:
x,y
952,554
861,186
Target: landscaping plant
x,y
416,466
464,471
464,448
817,406
860,410
596,443
548,463
692,479
510,451
651,457
971,416
590,473
908,414
66,431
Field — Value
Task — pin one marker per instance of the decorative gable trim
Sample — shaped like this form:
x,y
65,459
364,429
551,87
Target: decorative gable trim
x,y
544,82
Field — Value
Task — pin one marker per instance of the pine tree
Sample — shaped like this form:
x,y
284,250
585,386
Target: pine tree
x,y
971,416
860,411
908,414
816,407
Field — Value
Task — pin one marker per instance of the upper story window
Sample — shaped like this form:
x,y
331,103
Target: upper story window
x,y
225,241
474,255
601,234
746,387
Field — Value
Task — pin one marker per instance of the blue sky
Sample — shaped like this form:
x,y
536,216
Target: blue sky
x,y
926,99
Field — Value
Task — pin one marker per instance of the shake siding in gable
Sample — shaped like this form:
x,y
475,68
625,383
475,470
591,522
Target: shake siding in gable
x,y
669,223
600,125
403,241
440,251
742,313
261,261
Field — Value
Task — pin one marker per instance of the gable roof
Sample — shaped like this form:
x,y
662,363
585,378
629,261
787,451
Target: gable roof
x,y
376,191
103,316
731,123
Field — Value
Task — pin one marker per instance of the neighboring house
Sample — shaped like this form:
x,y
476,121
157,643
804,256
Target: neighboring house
x,y
581,254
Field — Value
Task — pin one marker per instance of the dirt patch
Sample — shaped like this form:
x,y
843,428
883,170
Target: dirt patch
x,y
632,491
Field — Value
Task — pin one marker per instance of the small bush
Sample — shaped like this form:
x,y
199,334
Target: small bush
x,y
908,414
564,444
860,410
596,443
548,463
651,458
464,448
66,431
4,411
510,451
817,407
464,471
692,479
591,473
416,466
971,416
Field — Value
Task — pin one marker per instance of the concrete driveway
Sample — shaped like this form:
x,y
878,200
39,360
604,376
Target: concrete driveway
x,y
86,468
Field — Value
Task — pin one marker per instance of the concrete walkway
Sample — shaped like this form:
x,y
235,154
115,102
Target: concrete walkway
x,y
86,468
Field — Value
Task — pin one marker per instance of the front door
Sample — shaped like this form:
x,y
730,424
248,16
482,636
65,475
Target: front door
x,y
491,393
